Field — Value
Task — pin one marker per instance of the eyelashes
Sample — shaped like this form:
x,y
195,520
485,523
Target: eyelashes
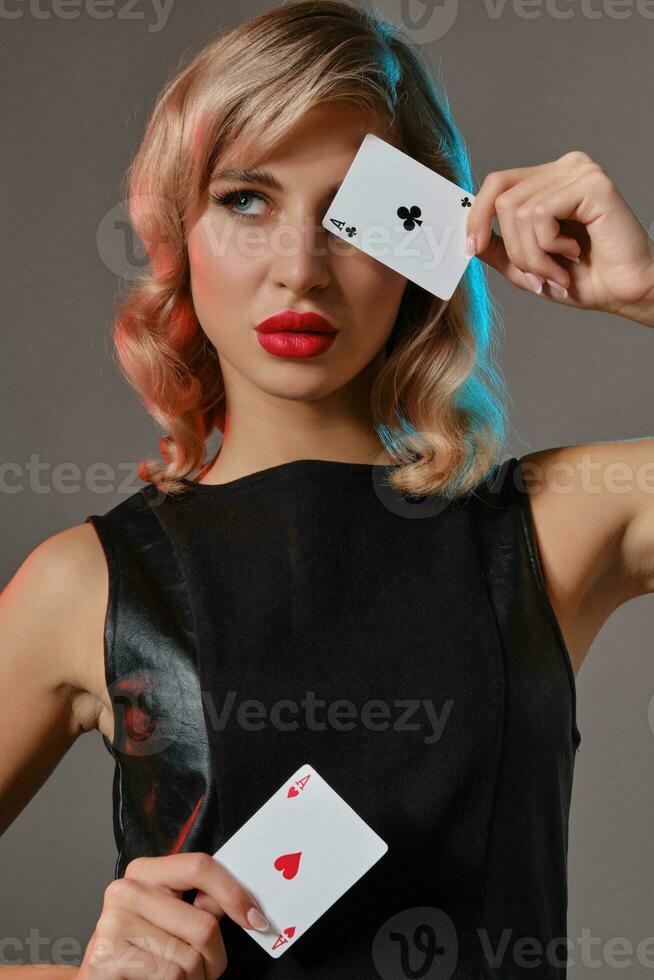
x,y
230,198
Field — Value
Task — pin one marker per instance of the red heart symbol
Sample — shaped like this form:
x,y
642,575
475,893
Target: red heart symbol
x,y
288,864
292,792
290,932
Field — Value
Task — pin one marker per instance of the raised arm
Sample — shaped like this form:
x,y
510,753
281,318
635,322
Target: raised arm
x,y
593,510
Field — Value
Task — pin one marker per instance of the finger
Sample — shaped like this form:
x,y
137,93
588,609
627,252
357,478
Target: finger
x,y
521,249
528,201
518,210
171,949
206,902
169,916
117,960
554,208
509,234
165,912
496,256
515,210
480,215
148,918
554,241
536,260
196,869
519,186
537,223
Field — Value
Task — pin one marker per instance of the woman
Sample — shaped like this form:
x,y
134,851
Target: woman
x,y
355,538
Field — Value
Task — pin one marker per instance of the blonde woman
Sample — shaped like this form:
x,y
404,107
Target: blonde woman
x,y
355,579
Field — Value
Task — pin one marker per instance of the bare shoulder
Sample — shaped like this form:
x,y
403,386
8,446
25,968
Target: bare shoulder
x,y
59,597
51,652
585,501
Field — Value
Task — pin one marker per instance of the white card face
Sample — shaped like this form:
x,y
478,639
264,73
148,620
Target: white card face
x,y
300,851
403,214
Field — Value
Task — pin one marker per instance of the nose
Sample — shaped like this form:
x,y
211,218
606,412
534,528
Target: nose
x,y
300,255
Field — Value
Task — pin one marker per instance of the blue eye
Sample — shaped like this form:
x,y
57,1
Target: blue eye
x,y
230,198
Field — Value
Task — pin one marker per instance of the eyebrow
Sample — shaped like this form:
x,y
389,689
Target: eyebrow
x,y
262,177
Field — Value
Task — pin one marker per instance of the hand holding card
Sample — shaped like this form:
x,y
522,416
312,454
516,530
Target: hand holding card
x,y
403,214
302,850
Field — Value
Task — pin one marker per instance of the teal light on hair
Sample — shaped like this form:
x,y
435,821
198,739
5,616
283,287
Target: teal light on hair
x,y
390,442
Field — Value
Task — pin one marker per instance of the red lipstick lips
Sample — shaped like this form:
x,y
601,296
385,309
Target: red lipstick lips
x,y
292,334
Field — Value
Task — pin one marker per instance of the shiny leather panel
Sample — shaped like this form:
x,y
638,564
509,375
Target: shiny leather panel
x,y
164,796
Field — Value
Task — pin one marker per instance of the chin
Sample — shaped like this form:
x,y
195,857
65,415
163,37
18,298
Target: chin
x,y
288,383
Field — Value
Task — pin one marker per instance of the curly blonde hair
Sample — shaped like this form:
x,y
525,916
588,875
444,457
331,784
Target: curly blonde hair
x,y
439,400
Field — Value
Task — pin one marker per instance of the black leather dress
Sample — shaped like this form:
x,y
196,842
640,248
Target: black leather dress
x,y
313,581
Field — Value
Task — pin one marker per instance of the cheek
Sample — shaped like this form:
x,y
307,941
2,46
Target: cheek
x,y
217,261
223,282
376,288
204,262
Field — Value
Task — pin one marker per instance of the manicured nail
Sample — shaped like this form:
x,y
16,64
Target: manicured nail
x,y
575,258
256,919
559,291
534,282
471,246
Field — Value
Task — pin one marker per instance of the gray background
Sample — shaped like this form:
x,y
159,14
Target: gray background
x,y
526,85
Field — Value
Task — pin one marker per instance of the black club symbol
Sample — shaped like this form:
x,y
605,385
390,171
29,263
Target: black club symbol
x,y
410,217
466,202
351,232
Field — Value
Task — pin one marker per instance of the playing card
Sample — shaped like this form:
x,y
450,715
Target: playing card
x,y
403,214
302,850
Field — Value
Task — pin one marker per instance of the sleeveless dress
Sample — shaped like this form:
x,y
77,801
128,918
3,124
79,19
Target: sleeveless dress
x,y
243,616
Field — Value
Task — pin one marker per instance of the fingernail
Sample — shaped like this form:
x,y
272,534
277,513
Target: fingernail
x,y
471,246
575,258
534,282
256,919
560,291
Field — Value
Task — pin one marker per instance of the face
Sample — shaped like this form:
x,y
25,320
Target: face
x,y
264,251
